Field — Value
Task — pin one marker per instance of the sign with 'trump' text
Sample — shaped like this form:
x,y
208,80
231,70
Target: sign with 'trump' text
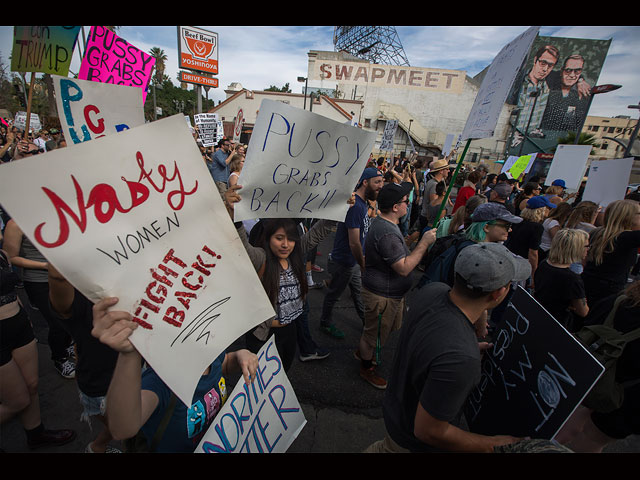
x,y
300,165
137,216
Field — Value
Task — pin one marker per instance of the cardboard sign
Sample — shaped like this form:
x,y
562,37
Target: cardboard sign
x,y
137,216
496,85
43,49
608,181
569,164
534,376
263,417
207,124
387,136
300,165
20,121
90,110
111,59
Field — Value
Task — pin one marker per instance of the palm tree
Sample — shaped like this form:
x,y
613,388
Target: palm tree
x,y
161,58
584,139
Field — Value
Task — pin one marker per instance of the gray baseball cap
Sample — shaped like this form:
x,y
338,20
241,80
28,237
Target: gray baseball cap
x,y
489,266
493,211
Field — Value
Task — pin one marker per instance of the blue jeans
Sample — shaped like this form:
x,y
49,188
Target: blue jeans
x,y
341,277
404,221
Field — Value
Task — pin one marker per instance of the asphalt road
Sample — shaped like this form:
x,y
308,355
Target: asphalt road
x,y
343,412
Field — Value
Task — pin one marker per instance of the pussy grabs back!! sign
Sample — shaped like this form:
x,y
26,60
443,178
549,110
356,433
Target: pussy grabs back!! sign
x,y
137,216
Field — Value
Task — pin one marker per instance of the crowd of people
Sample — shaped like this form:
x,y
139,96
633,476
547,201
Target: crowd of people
x,y
573,257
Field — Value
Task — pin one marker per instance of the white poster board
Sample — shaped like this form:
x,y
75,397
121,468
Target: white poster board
x,y
20,121
608,181
262,417
388,135
569,164
89,109
207,124
137,216
300,165
448,143
496,85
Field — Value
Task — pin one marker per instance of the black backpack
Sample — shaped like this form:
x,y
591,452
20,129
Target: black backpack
x,y
441,258
606,344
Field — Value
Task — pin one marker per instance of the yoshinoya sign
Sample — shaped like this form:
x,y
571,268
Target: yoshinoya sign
x,y
197,49
359,73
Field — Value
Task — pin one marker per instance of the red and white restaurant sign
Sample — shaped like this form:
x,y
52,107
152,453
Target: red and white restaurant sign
x,y
198,49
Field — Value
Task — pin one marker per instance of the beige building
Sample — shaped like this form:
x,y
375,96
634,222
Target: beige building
x,y
612,134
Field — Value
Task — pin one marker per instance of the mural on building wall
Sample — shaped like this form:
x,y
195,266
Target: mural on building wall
x,y
553,96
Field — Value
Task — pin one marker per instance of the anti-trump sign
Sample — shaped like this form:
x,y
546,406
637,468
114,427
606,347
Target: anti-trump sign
x,y
137,216
43,49
111,59
89,110
300,165
261,417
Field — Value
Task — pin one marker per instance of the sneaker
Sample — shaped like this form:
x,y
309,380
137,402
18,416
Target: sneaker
x,y
70,352
314,285
65,368
369,375
357,356
332,330
48,438
317,268
317,355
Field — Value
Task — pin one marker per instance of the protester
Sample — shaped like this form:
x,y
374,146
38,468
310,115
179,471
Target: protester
x,y
346,261
95,360
500,193
551,225
613,250
467,190
460,220
137,400
437,362
35,278
386,280
438,172
529,190
435,210
489,183
19,365
235,167
583,216
219,166
557,288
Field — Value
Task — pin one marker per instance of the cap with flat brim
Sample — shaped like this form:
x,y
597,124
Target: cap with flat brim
x,y
488,266
393,193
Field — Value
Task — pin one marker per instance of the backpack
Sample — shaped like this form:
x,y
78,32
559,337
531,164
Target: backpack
x,y
441,258
606,344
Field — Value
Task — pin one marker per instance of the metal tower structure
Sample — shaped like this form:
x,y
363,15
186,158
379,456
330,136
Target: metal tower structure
x,y
380,45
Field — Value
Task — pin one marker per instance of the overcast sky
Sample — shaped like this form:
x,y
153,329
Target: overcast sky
x,y
258,57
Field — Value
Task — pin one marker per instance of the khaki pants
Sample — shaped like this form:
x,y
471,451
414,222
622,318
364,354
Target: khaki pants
x,y
387,312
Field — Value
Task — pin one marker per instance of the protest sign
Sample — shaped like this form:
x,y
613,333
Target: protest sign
x,y
207,125
608,181
389,133
534,376
300,165
137,216
237,125
569,164
43,49
516,166
20,121
496,85
90,110
111,59
262,417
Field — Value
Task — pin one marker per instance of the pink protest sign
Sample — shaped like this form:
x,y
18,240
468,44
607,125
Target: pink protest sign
x,y
111,59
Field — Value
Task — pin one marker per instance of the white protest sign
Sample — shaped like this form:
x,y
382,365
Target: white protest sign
x,y
569,164
496,85
388,135
262,417
89,109
518,165
137,216
448,142
20,121
237,126
608,181
300,165
207,124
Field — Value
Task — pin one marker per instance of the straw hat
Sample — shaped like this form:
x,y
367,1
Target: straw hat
x,y
439,165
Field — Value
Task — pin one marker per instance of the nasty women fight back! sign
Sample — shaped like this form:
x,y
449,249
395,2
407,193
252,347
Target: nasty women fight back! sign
x,y
111,59
262,417
300,165
90,110
137,216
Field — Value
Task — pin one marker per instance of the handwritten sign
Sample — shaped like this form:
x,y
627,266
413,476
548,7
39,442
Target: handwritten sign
x,y
137,216
533,377
207,124
20,121
608,180
300,165
496,85
516,166
569,163
43,49
90,110
387,136
263,417
111,59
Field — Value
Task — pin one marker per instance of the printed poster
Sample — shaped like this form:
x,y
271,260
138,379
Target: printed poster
x,y
262,417
137,216
300,165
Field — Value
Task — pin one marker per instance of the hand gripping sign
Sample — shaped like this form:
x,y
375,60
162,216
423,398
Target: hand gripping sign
x,y
300,165
137,216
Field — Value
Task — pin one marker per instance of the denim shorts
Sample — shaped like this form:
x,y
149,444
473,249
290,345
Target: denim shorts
x,y
92,406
